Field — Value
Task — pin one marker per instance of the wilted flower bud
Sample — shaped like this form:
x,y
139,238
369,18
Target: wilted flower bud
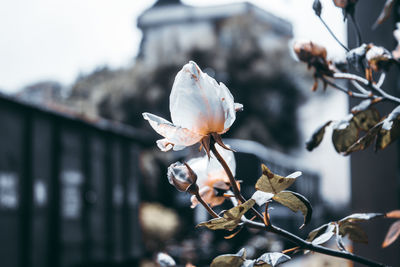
x,y
378,57
344,3
308,51
182,177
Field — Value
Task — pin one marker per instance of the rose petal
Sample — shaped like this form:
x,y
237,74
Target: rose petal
x,y
199,103
175,137
208,195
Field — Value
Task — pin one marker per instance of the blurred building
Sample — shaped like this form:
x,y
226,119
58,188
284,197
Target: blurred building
x,y
171,30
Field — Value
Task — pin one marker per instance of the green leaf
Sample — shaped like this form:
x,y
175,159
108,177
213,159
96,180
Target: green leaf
x,y
231,217
273,183
345,133
317,137
322,234
295,202
230,260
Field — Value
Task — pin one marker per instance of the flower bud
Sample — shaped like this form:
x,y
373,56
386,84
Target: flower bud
x,y
182,177
309,51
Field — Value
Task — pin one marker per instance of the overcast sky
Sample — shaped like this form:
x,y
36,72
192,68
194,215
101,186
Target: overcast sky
x,y
55,39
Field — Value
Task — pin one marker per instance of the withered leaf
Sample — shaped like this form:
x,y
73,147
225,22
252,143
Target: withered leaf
x,y
345,133
392,234
354,232
365,141
366,119
272,259
262,197
231,218
390,130
273,183
339,242
385,13
317,137
230,260
295,202
386,137
322,234
393,214
358,217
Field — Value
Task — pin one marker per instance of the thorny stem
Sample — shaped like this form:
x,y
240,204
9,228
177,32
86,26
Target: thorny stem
x,y
333,35
232,180
205,205
305,245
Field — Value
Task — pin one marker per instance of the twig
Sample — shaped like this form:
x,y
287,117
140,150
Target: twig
x,y
348,76
205,205
333,35
348,92
357,28
360,88
232,180
381,80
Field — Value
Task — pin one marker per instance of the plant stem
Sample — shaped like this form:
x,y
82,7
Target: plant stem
x,y
348,76
205,205
232,180
305,245
333,35
357,29
348,92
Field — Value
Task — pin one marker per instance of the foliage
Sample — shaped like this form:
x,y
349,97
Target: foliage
x,y
207,122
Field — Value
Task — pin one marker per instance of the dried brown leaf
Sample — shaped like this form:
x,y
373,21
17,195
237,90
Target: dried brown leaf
x,y
273,183
345,133
295,202
317,137
231,217
385,13
392,234
393,214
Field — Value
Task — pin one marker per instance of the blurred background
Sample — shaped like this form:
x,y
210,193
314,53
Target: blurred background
x,y
82,182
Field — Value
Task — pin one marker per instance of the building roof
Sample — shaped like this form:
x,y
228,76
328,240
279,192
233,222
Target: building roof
x,y
165,12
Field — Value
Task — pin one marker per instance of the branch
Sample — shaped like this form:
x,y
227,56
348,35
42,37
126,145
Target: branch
x,y
348,76
305,245
333,35
357,28
347,91
232,180
205,205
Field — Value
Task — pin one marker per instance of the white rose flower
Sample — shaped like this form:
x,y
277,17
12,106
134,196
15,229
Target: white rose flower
x,y
199,107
